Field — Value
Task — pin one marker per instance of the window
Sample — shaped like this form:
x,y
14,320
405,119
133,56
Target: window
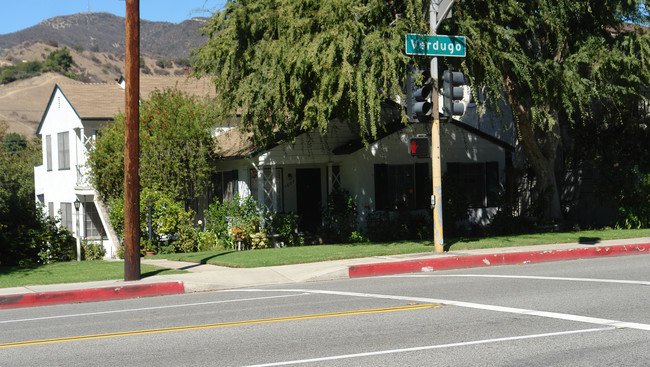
x,y
93,224
66,215
272,188
63,141
50,209
479,182
334,178
48,150
402,187
224,185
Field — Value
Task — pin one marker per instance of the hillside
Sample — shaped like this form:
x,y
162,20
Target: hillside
x,y
96,43
104,32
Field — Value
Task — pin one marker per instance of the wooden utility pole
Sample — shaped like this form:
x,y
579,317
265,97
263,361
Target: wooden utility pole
x,y
132,143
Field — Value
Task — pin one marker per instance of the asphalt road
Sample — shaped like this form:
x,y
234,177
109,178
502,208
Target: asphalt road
x,y
593,312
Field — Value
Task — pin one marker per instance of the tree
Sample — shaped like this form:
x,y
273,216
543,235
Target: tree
x,y
27,234
176,148
288,66
58,60
14,142
558,64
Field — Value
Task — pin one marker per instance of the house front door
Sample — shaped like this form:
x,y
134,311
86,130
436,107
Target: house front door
x,y
309,202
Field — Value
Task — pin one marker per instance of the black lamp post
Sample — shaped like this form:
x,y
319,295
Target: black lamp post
x,y
149,205
77,204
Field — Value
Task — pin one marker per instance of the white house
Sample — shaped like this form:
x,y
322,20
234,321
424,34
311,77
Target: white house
x,y
291,177
73,116
382,176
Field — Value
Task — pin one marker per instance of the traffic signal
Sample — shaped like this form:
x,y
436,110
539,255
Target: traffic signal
x,y
419,86
452,93
419,147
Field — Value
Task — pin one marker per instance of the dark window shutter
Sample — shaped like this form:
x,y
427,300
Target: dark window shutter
x,y
423,186
492,183
381,186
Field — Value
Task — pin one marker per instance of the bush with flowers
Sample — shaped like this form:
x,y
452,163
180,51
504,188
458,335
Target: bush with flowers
x,y
238,223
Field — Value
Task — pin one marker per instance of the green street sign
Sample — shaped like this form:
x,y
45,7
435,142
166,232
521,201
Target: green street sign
x,y
439,45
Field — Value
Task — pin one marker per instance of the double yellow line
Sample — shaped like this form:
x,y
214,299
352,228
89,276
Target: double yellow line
x,y
218,325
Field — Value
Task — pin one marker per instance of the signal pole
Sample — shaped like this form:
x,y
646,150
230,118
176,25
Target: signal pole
x,y
436,174
132,143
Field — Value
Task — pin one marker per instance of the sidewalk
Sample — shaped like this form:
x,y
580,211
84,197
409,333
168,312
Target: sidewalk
x,y
202,277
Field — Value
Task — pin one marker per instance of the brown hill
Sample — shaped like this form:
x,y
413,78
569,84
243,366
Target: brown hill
x,y
96,43
22,103
105,32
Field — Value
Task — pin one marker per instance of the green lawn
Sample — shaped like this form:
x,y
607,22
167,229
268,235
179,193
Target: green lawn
x,y
294,255
84,271
72,272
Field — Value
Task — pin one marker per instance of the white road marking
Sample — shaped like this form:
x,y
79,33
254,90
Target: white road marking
x,y
149,308
430,347
616,281
478,306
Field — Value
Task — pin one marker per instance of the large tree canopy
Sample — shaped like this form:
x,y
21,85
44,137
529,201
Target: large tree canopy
x,y
289,66
557,63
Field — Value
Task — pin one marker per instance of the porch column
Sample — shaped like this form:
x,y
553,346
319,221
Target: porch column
x,y
330,181
260,184
274,191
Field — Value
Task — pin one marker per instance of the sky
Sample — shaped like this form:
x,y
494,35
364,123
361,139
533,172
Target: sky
x,y
21,14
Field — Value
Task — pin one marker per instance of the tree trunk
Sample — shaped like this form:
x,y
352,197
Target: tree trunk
x,y
540,149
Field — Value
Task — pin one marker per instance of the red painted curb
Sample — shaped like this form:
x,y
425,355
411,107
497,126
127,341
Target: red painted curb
x,y
91,294
457,262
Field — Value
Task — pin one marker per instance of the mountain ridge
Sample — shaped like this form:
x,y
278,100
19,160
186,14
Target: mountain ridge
x,y
96,45
105,32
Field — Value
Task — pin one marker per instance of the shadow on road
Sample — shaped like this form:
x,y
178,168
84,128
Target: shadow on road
x,y
589,240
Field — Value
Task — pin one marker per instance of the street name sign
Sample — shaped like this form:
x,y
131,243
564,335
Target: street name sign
x,y
438,45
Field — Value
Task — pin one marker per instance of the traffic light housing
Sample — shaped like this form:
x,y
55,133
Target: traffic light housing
x,y
419,86
452,93
419,147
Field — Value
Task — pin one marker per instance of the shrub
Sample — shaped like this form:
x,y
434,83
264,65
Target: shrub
x,y
635,209
340,216
236,221
171,223
207,241
58,60
286,226
91,250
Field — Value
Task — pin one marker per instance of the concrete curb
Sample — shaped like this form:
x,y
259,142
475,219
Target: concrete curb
x,y
90,294
426,265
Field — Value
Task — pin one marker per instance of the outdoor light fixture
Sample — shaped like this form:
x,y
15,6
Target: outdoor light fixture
x,y
77,203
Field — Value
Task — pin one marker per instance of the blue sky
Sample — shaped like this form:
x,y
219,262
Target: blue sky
x,y
21,14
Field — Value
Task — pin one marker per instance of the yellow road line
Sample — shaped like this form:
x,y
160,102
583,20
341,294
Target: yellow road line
x,y
223,324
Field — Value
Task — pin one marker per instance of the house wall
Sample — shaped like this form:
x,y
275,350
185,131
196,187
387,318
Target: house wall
x,y
67,185
457,145
357,168
56,185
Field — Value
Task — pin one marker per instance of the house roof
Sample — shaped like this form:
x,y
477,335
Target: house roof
x,y
356,144
235,144
193,86
92,101
104,100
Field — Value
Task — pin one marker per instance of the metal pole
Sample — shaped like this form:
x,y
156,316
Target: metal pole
x,y
132,144
149,205
436,173
76,207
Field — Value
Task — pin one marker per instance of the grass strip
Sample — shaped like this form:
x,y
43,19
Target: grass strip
x,y
306,254
72,272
